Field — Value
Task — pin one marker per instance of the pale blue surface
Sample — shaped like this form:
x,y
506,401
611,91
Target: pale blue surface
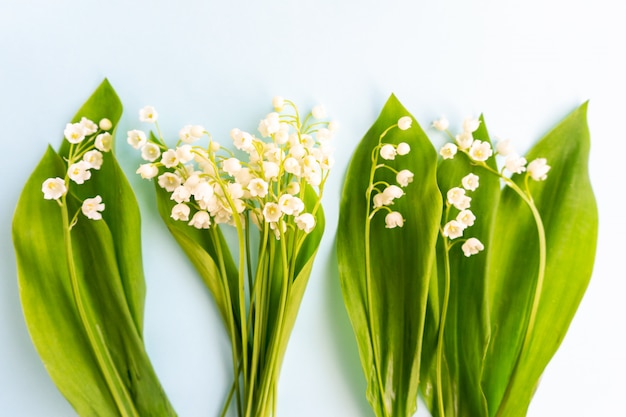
x,y
524,64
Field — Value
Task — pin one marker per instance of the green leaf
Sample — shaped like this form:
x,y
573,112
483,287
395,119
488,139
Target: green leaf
x,y
401,261
203,250
82,291
466,331
522,346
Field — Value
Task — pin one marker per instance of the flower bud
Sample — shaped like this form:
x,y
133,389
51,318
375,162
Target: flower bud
x,y
105,124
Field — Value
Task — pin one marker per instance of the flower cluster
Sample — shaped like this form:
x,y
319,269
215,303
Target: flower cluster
x,y
88,141
480,151
458,199
381,193
213,185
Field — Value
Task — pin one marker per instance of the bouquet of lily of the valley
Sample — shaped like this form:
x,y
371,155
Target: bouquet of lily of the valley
x,y
76,233
470,289
269,190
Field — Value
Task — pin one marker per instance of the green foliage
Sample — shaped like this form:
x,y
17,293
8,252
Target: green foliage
x,y
387,313
493,320
82,290
465,345
257,289
510,306
528,323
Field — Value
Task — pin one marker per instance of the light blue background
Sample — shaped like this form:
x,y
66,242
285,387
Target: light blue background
x,y
524,64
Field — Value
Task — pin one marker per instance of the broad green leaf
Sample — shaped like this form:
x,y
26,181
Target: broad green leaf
x,y
521,347
466,331
210,255
47,299
401,262
123,219
82,292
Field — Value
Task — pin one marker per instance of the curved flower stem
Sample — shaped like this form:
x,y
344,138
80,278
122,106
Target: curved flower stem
x,y
541,235
532,318
94,334
368,272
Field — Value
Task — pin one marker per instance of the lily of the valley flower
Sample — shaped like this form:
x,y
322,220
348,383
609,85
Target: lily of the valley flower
x,y
538,169
147,171
79,172
150,152
200,220
455,195
305,222
74,133
448,150
504,147
278,103
272,212
464,140
403,148
394,219
53,188
258,187
405,122
470,182
453,229
388,152
472,246
169,159
404,177
104,141
105,124
93,158
480,151
148,114
180,212
466,218
92,208
136,138
191,133
441,124
515,164
470,125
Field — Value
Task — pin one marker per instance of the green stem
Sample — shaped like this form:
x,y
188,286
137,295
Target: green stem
x,y
368,276
442,326
532,318
231,392
248,252
232,331
116,386
241,283
278,332
538,288
233,389
257,300
370,319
